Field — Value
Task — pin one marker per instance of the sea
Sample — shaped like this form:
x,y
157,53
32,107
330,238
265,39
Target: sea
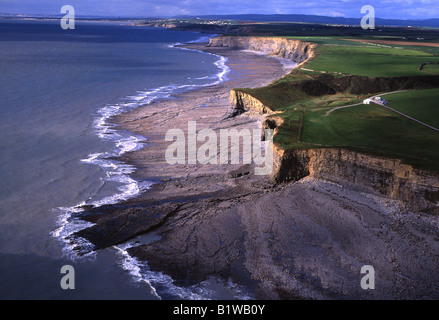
x,y
58,90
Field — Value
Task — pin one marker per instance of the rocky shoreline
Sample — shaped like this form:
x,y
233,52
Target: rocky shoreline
x,y
303,240
182,191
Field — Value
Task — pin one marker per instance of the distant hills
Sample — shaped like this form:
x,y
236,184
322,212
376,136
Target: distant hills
x,y
304,18
315,19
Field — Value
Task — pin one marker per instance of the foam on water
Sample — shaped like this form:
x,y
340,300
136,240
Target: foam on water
x,y
163,286
115,171
70,221
218,78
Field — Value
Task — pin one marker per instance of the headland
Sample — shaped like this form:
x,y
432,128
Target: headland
x,y
305,231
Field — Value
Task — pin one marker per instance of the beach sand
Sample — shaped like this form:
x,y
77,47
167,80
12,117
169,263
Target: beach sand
x,y
303,240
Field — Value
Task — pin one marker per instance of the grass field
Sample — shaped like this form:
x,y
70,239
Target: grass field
x,y
367,128
371,61
375,130
431,50
372,50
431,69
295,114
329,41
422,105
335,55
365,65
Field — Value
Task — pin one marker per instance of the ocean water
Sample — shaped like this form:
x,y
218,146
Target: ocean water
x,y
58,88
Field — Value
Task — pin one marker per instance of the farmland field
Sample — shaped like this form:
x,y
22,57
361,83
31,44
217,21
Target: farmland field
x,y
368,128
420,104
371,61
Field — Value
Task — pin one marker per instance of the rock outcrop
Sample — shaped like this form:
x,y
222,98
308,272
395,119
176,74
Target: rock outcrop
x,y
387,177
243,102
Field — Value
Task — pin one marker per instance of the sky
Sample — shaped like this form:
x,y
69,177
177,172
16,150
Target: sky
x,y
395,9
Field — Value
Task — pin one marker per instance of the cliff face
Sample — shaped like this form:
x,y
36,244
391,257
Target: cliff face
x,y
243,102
377,175
295,50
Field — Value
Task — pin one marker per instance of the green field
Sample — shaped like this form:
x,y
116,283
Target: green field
x,y
431,69
371,50
304,104
373,129
329,41
337,41
371,61
367,128
335,55
296,116
342,65
422,105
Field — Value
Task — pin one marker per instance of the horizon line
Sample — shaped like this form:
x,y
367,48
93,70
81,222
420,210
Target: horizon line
x,y
23,15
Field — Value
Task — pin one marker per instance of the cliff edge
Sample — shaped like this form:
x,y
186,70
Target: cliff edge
x,y
294,50
387,177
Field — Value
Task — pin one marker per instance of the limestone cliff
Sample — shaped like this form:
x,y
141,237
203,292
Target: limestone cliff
x,y
243,102
377,175
295,50
291,49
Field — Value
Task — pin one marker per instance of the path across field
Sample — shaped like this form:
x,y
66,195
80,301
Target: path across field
x,y
357,104
372,99
404,115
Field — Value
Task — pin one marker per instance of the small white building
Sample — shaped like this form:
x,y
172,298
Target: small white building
x,y
367,101
378,98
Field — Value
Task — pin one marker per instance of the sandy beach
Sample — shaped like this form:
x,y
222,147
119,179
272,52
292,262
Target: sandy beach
x,y
303,240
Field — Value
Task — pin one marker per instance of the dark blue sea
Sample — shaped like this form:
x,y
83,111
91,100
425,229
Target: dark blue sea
x,y
58,89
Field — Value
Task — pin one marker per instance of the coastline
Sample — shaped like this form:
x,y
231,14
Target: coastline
x,y
279,241
181,189
209,106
